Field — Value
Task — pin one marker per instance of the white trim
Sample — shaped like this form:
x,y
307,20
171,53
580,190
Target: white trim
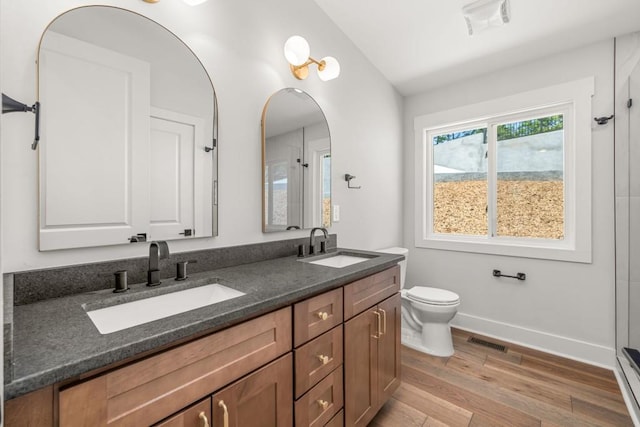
x,y
628,381
577,243
593,354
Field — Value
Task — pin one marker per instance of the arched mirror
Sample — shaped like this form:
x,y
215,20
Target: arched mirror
x,y
128,133
296,163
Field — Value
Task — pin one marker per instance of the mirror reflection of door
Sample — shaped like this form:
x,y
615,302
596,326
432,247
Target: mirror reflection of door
x,y
297,163
125,119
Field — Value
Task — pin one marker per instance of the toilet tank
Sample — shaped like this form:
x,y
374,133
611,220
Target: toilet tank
x,y
403,264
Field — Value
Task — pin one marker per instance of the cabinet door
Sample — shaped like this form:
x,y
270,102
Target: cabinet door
x,y
262,399
360,368
198,415
389,348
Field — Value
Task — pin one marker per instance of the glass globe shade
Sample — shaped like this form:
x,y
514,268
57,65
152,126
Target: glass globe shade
x,y
331,69
296,50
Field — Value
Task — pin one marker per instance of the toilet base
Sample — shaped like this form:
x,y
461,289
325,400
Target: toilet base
x,y
434,340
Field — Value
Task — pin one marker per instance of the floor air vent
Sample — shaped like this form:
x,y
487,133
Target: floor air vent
x,y
489,344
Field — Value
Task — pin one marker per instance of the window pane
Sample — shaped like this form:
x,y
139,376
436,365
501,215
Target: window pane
x,y
530,169
460,182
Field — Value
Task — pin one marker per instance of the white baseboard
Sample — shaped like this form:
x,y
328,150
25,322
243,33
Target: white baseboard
x,y
582,351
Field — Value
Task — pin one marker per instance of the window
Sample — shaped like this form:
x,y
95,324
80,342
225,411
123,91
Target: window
x,y
509,183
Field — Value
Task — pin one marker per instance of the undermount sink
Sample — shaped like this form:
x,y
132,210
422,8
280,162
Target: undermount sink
x,y
339,260
122,316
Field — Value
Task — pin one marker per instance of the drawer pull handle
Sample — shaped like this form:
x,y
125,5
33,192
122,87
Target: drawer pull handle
x,y
379,325
225,415
323,359
323,315
323,404
384,321
203,417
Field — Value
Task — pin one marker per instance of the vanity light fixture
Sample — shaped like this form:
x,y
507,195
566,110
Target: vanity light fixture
x,y
296,50
484,14
151,1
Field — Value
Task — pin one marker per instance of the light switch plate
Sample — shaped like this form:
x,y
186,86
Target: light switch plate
x,y
336,213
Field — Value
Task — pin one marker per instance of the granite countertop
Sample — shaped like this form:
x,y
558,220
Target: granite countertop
x,y
54,340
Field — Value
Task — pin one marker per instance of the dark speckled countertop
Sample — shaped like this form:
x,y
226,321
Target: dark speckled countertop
x,y
54,340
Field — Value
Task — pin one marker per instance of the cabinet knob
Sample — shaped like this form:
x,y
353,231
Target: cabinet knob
x,y
225,414
323,315
203,417
323,359
323,404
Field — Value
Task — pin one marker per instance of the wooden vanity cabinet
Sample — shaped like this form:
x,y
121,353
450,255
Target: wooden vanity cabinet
x,y
344,366
149,390
371,345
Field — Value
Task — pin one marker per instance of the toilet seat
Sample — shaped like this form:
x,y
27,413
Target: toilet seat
x,y
434,296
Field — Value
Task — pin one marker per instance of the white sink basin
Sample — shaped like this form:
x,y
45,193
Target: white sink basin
x,y
339,261
126,315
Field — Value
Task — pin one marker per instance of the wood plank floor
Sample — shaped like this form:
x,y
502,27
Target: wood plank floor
x,y
481,386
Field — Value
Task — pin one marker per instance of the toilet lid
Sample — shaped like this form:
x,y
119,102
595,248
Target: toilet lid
x,y
432,295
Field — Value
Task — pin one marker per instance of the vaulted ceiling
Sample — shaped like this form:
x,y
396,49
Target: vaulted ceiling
x,y
422,44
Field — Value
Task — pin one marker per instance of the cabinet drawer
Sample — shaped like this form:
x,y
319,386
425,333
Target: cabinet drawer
x,y
337,420
316,315
194,416
147,391
317,358
322,402
367,292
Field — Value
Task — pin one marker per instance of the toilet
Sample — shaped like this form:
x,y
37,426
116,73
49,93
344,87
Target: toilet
x,y
426,313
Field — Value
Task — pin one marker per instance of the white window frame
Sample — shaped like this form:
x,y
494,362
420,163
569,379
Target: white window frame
x,y
573,100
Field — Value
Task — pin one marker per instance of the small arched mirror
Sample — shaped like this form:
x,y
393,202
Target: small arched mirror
x,y
296,163
128,131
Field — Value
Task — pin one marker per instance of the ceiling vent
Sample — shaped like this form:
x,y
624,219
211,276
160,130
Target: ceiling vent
x,y
484,14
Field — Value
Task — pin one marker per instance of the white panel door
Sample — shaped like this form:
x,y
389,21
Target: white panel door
x,y
177,158
95,145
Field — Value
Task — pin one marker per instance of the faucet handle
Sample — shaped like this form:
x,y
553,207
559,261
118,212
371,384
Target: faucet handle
x,y
181,269
121,281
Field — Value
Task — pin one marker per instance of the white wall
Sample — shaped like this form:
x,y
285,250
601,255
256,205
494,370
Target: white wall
x,y
240,43
562,307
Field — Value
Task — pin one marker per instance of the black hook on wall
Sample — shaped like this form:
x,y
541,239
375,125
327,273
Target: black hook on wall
x,y
348,178
10,105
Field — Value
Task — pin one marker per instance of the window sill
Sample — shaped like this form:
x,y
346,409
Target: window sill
x,y
543,249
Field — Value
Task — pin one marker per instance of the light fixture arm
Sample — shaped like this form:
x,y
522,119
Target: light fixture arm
x,y
301,72
10,105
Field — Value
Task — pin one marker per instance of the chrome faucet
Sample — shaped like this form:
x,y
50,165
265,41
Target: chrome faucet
x,y
323,247
157,250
